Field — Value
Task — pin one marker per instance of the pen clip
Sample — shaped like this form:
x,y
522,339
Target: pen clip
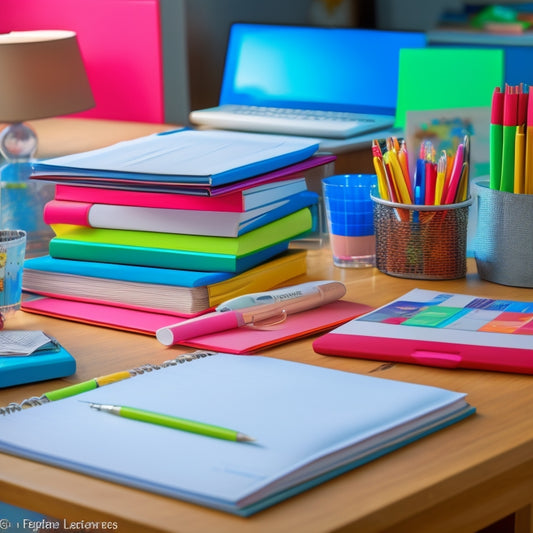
x,y
270,322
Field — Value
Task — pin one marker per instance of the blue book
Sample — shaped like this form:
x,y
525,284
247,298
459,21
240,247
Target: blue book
x,y
121,272
50,361
304,433
163,290
182,157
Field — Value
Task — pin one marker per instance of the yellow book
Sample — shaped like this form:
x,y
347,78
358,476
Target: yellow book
x,y
160,290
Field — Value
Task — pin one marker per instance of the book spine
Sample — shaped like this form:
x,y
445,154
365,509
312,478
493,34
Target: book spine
x,y
140,255
156,257
58,212
117,271
232,202
285,228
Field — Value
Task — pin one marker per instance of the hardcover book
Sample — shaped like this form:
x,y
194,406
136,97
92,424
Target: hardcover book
x,y
185,221
188,252
162,290
285,228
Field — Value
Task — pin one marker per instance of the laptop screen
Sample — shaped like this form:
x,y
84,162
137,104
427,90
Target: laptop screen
x,y
337,69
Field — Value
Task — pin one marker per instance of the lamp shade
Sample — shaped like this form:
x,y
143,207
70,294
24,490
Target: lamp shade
x,y
42,75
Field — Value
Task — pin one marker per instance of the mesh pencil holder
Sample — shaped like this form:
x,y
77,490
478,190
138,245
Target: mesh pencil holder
x,y
421,241
503,244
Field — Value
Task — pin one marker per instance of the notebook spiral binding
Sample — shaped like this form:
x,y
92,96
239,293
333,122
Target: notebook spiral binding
x,y
34,401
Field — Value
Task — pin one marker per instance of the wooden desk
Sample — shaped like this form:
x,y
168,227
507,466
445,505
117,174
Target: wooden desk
x,y
458,480
61,136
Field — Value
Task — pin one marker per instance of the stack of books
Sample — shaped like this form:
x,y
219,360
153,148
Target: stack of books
x,y
172,224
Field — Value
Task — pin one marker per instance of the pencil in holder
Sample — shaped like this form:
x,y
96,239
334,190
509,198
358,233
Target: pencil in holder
x,y
503,244
421,241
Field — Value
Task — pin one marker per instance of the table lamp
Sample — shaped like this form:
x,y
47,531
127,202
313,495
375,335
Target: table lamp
x,y
43,75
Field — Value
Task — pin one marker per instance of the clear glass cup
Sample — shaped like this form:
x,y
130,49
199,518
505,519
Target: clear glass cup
x,y
12,254
349,213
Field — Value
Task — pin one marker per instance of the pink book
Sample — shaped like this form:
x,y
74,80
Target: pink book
x,y
238,341
234,202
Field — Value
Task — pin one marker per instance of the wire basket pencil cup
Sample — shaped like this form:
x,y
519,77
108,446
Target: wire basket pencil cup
x,y
421,241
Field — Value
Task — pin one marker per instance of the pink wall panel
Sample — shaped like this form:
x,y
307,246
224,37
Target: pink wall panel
x,y
120,41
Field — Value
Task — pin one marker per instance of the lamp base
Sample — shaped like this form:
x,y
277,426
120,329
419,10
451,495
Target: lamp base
x,y
18,142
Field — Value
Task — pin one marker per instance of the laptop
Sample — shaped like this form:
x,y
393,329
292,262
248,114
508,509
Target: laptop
x,y
311,81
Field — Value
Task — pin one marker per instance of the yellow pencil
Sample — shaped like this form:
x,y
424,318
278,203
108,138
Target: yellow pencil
x,y
441,177
399,179
519,160
382,178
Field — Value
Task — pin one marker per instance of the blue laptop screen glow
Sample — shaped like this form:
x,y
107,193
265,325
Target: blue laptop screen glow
x,y
338,69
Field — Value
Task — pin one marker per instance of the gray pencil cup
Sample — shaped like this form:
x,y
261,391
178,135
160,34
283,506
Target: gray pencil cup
x,y
503,245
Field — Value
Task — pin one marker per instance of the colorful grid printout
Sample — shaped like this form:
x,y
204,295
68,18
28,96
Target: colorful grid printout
x,y
459,312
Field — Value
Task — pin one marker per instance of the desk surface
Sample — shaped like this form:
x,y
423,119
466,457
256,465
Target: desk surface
x,y
460,479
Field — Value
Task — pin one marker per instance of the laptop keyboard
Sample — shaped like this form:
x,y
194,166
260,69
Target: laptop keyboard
x,y
316,123
295,114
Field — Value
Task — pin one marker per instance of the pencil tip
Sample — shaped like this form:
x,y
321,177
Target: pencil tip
x,y
241,437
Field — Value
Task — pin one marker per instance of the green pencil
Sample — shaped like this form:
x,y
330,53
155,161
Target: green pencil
x,y
510,110
174,422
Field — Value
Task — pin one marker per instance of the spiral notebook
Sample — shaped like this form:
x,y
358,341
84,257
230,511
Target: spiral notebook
x,y
304,434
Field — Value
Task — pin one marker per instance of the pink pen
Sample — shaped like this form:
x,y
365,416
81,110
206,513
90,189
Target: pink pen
x,y
455,175
226,320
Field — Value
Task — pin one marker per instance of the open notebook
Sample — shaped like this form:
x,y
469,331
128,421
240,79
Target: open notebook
x,y
324,82
309,423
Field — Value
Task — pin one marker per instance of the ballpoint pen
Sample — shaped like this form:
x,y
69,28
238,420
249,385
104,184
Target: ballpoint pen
x,y
222,321
173,422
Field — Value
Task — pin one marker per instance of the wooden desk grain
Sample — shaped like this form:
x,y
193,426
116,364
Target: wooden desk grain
x,y
460,479
60,136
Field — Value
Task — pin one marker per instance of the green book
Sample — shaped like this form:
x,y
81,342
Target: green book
x,y
156,250
283,229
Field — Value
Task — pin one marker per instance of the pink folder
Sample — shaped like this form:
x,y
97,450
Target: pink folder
x,y
241,340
